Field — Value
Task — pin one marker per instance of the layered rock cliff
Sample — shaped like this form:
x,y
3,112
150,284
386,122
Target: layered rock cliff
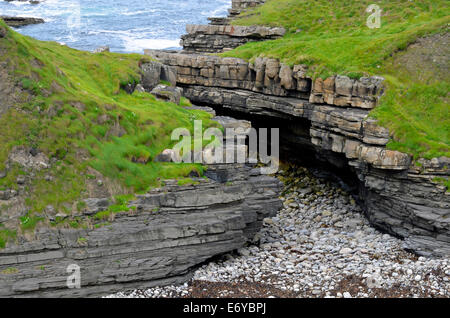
x,y
331,117
170,231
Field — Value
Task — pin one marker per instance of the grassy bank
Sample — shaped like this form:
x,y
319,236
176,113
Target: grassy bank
x,y
77,114
332,38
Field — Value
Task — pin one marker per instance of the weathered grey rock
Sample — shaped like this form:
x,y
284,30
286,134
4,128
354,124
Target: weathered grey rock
x,y
24,157
167,93
101,49
216,38
166,156
20,21
175,229
95,205
286,77
169,74
139,88
151,74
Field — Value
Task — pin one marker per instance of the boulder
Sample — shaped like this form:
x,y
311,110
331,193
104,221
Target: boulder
x,y
95,205
169,74
286,77
20,21
139,88
167,93
166,156
151,74
101,49
272,68
344,85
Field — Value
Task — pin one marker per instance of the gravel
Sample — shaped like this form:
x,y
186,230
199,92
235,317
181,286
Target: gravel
x,y
319,245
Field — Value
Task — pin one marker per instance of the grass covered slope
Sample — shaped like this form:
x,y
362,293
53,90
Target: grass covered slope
x,y
69,106
332,38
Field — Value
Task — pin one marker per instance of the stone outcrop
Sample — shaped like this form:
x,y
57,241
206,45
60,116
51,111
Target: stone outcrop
x,y
167,93
219,38
169,232
397,196
20,21
101,49
152,73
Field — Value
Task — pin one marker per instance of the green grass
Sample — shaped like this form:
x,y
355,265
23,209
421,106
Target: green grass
x,y
6,235
332,38
418,117
121,205
29,222
10,270
186,182
78,115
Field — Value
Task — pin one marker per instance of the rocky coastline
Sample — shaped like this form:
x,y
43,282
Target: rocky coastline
x,y
17,22
324,241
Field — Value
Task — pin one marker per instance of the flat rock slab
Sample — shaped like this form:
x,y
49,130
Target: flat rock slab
x,y
21,21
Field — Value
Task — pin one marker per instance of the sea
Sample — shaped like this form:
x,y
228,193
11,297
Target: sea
x,y
126,26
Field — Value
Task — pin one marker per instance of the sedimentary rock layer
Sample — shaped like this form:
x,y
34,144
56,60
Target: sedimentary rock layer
x,y
173,230
218,38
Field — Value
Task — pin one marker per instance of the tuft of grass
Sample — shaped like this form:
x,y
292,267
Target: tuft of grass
x,y
444,181
417,117
10,270
187,181
121,205
332,38
82,241
29,222
6,235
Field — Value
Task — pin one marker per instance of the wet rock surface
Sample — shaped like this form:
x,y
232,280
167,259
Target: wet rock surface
x,y
318,245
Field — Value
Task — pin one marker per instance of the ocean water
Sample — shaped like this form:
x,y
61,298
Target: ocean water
x,y
123,25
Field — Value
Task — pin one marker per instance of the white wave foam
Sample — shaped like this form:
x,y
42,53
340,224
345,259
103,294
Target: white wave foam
x,y
118,32
138,45
220,11
137,12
